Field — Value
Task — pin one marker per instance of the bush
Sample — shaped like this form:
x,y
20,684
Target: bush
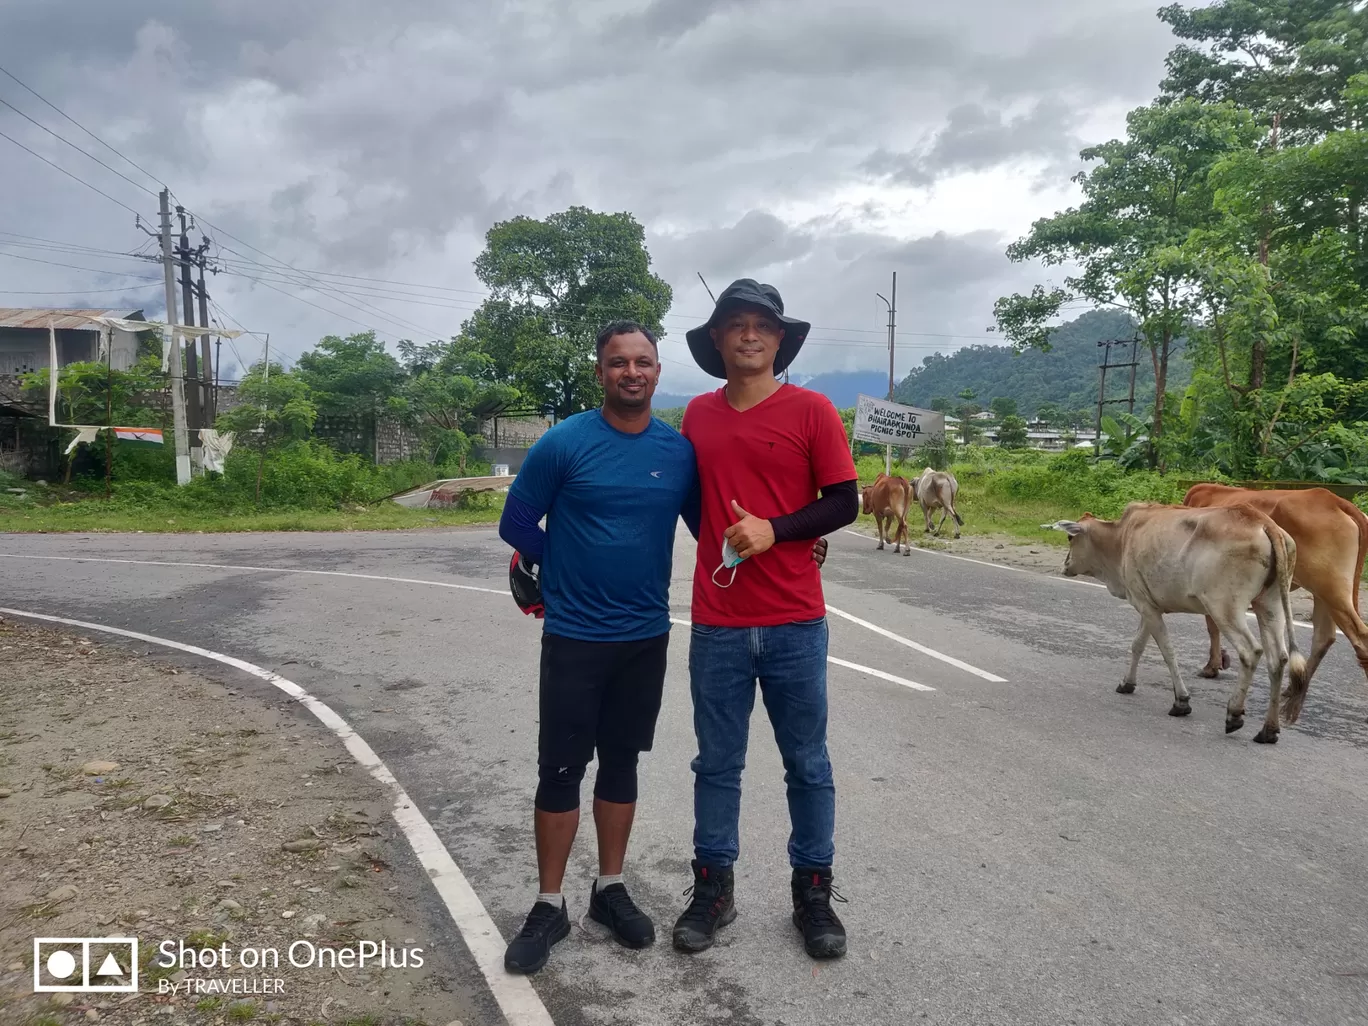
x,y
1073,481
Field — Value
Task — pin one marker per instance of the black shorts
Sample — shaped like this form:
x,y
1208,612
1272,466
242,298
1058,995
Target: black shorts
x,y
598,693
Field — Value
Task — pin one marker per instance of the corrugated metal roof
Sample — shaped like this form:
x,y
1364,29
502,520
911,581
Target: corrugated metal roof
x,y
18,317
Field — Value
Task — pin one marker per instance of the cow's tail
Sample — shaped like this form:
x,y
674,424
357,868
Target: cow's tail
x,y
1298,683
1362,523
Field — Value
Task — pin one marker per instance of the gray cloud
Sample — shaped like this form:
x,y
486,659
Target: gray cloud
x,y
384,140
975,138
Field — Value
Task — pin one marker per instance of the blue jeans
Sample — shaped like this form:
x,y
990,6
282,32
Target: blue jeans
x,y
789,661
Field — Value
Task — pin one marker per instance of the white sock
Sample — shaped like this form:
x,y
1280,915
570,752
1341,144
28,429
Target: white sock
x,y
607,881
552,899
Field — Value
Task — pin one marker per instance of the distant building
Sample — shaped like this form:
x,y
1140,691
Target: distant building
x,y
24,338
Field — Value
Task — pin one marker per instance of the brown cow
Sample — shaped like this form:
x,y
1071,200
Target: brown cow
x,y
1332,539
1172,559
887,499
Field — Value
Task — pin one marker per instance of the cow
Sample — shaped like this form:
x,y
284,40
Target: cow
x,y
1331,534
1221,561
936,489
887,499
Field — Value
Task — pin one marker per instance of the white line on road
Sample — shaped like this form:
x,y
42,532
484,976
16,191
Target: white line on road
x,y
259,569
880,674
853,666
517,1000
984,562
958,663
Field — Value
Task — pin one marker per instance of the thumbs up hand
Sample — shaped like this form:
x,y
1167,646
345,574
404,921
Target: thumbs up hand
x,y
750,535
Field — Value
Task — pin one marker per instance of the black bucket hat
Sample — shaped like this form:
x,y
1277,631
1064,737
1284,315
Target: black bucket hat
x,y
750,292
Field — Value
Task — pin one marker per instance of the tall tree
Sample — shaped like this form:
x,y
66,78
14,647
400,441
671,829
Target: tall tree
x,y
1288,61
1147,193
553,284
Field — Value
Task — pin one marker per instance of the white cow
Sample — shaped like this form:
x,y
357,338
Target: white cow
x,y
1217,562
936,489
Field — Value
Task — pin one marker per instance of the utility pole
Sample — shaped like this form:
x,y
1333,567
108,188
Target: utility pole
x,y
210,394
180,435
892,327
1102,368
194,391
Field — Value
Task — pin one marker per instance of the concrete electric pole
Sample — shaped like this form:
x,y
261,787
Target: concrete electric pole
x,y
892,325
180,435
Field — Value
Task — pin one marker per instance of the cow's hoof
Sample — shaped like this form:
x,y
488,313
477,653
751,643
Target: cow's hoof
x,y
1180,709
1208,672
1266,737
1125,689
956,534
907,552
1234,723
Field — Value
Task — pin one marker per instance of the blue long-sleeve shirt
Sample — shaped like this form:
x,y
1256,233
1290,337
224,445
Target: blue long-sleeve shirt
x,y
612,501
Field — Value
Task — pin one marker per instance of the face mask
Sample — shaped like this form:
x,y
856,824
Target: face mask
x,y
730,561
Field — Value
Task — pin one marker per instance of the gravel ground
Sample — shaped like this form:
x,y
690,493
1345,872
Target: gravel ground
x,y
141,799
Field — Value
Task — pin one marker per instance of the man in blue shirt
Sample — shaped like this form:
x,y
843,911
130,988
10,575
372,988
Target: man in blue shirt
x,y
612,484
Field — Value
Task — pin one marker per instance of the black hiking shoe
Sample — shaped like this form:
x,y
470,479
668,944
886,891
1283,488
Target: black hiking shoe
x,y
712,907
823,934
529,950
613,907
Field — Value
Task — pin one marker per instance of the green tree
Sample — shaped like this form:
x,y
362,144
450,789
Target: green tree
x,y
1012,432
554,283
1003,406
966,412
355,376
449,392
942,403
1049,414
1288,61
274,409
92,393
1146,195
1284,285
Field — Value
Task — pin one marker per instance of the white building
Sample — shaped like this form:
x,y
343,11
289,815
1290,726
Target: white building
x,y
24,338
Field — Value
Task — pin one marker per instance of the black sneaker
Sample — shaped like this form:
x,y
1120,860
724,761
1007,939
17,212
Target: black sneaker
x,y
823,934
530,949
614,908
713,906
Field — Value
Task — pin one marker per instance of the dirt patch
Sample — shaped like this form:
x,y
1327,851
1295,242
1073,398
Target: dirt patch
x,y
140,799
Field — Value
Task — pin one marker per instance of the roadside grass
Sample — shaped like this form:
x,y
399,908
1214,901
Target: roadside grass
x,y
1014,493
93,516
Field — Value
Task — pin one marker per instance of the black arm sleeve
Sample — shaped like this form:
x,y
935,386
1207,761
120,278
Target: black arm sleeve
x,y
838,506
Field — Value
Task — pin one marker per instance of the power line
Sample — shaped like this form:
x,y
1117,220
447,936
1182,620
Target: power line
x,y
62,138
70,175
82,127
75,267
74,292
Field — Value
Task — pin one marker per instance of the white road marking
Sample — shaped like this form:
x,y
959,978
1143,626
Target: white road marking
x,y
517,1000
852,666
958,663
984,562
880,674
259,569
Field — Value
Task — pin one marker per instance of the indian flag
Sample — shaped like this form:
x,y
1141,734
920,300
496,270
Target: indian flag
x,y
152,436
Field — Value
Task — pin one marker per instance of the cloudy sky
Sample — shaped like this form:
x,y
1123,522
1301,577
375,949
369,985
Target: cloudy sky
x,y
819,146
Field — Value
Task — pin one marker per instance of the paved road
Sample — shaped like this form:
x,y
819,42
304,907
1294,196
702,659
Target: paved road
x,y
1039,850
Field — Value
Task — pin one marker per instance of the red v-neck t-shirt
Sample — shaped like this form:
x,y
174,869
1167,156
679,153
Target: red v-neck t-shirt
x,y
772,459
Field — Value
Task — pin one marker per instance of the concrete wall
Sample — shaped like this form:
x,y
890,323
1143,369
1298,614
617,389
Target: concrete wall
x,y
518,432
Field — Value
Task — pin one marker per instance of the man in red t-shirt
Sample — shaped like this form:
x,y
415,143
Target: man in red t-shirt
x,y
775,472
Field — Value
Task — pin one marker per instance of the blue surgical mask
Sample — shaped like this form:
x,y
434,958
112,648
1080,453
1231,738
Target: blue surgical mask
x,y
730,561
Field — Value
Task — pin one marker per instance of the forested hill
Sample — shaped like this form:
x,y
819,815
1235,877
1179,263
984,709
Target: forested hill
x,y
1065,376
